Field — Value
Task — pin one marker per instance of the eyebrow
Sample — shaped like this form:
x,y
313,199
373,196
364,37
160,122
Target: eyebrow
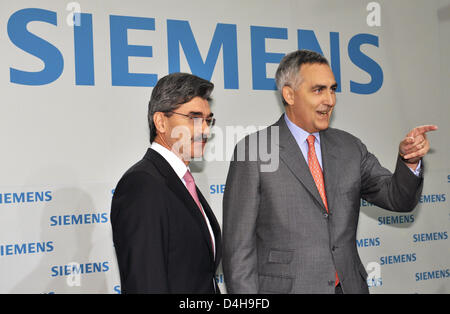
x,y
198,113
335,85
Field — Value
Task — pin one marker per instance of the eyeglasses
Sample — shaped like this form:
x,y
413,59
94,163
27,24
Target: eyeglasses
x,y
210,121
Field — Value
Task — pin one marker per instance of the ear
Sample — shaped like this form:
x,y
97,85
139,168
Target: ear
x,y
159,121
288,94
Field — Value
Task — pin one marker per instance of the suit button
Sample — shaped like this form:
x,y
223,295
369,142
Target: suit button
x,y
325,215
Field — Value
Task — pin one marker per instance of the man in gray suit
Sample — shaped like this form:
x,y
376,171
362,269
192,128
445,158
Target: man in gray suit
x,y
293,230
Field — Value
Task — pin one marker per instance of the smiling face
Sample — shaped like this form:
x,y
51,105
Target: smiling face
x,y
311,103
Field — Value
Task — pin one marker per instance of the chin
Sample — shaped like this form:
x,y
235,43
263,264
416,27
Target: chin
x,y
322,127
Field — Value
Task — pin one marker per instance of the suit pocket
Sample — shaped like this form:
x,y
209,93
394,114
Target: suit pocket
x,y
280,257
275,284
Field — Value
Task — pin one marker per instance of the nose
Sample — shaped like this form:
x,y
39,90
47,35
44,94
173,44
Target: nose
x,y
206,129
201,127
331,98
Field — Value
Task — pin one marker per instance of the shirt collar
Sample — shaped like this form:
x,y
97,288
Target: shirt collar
x,y
175,162
299,134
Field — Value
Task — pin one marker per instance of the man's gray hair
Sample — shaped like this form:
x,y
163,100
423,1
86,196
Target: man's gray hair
x,y
288,72
172,91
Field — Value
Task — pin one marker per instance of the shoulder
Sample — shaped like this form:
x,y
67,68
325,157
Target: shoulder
x,y
142,177
259,136
139,190
340,137
339,134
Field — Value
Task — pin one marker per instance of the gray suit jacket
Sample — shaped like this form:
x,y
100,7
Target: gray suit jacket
x,y
277,234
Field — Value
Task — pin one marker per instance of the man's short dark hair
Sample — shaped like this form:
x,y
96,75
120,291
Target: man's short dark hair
x,y
172,91
288,70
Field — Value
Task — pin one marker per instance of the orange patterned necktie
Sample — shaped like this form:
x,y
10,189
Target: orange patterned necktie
x,y
315,169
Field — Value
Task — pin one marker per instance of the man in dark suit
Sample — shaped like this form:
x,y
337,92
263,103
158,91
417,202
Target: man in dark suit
x,y
166,237
292,228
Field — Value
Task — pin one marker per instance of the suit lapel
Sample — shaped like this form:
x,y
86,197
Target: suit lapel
x,y
215,227
292,156
176,185
330,162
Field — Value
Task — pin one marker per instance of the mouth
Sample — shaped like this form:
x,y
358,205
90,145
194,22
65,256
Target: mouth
x,y
323,113
200,140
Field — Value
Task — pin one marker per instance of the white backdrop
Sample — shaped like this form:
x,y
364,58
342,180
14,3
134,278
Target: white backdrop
x,y
73,119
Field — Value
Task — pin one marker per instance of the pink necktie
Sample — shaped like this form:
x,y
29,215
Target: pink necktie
x,y
190,184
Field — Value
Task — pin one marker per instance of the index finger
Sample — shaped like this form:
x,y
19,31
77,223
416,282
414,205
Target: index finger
x,y
423,129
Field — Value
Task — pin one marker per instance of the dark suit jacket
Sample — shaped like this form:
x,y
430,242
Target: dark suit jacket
x,y
278,236
161,239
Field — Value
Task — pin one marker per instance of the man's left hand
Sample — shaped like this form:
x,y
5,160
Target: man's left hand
x,y
415,145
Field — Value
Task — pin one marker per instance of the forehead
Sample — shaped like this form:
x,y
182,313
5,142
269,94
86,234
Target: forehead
x,y
196,104
317,74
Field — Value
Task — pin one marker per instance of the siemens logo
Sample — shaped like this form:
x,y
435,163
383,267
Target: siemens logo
x,y
374,282
180,36
397,259
434,274
432,198
368,242
81,219
395,220
432,236
26,248
219,278
365,203
25,197
216,188
88,268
